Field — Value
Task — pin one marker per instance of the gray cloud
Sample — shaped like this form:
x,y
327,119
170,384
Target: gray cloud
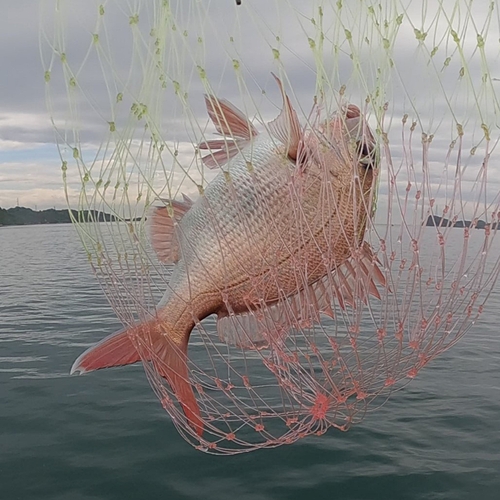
x,y
414,85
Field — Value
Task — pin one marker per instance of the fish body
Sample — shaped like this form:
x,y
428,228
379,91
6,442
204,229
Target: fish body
x,y
286,210
252,236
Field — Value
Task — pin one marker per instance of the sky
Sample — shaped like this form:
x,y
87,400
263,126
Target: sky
x,y
30,165
27,152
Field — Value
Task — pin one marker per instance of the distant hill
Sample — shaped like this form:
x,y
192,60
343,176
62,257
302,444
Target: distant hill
x,y
20,216
436,220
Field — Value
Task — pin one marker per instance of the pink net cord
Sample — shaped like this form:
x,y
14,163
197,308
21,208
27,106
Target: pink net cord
x,y
297,362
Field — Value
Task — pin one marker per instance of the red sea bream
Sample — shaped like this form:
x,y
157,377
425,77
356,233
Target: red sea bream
x,y
267,246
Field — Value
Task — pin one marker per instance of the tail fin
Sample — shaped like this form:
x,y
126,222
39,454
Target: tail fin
x,y
173,367
169,360
115,350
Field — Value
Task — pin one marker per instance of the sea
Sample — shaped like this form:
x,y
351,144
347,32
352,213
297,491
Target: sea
x,y
104,436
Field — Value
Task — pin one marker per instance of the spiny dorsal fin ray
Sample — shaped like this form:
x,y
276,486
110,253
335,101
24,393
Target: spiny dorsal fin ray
x,y
162,221
286,127
258,329
228,119
221,151
233,125
358,277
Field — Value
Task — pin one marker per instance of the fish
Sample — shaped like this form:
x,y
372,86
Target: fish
x,y
273,240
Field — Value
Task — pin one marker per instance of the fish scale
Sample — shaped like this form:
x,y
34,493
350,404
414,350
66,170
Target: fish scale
x,y
228,233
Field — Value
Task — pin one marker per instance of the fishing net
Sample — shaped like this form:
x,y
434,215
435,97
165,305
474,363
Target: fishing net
x,y
291,206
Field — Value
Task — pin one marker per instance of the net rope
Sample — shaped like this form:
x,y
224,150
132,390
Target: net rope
x,y
342,264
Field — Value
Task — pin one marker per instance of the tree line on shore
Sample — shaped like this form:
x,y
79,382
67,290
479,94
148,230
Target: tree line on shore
x,y
19,216
436,220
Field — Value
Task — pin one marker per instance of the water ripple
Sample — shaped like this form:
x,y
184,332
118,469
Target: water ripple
x,y
103,436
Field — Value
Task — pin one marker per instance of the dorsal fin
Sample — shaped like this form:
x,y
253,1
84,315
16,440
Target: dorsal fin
x,y
358,277
228,119
161,221
286,127
221,151
233,125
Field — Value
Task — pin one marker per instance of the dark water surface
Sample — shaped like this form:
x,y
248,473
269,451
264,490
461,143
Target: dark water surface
x,y
105,436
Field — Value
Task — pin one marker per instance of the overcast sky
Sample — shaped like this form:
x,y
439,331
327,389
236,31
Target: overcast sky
x,y
30,172
26,140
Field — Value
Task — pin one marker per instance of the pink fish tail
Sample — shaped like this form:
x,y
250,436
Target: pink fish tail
x,y
170,361
173,367
115,350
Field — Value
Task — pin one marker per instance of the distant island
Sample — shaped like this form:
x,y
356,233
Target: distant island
x,y
437,221
20,216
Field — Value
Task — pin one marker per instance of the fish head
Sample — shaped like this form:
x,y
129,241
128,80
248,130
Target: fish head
x,y
340,153
349,129
359,133
342,146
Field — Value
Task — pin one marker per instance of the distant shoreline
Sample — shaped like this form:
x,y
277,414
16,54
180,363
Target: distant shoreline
x,y
22,216
437,221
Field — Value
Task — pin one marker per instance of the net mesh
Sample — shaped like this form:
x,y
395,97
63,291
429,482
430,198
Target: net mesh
x,y
284,266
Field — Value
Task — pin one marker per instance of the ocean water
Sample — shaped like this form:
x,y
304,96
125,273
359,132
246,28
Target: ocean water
x,y
104,436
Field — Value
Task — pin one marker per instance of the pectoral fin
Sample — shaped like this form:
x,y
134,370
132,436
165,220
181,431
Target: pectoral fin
x,y
358,130
228,119
161,225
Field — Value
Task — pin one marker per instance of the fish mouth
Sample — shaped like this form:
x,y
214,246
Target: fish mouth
x,y
367,155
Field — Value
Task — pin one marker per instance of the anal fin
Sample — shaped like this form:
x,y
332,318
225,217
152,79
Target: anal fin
x,y
260,328
356,279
